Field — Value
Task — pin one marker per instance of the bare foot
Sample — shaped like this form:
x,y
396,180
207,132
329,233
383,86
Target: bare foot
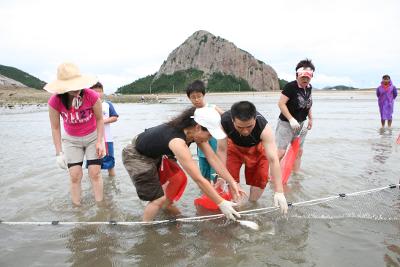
x,y
171,208
76,205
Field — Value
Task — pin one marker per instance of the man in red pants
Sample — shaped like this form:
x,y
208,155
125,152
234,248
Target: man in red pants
x,y
250,141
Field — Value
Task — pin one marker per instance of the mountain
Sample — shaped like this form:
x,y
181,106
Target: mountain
x,y
216,61
7,82
10,75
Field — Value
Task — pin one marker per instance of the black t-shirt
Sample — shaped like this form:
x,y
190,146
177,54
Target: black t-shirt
x,y
299,103
247,141
153,142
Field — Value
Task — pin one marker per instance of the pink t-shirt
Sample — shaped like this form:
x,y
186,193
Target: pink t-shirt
x,y
81,121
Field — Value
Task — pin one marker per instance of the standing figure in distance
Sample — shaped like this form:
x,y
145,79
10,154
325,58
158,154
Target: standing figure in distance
x,y
386,94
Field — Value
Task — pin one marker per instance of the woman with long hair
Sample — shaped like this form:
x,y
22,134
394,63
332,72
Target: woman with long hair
x,y
145,158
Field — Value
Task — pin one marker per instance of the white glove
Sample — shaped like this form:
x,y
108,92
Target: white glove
x,y
227,209
294,124
61,161
280,201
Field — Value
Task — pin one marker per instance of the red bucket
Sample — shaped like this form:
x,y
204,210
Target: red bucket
x,y
207,203
288,160
169,171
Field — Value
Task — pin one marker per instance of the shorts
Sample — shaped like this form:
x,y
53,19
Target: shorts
x,y
284,134
254,160
108,160
143,172
76,147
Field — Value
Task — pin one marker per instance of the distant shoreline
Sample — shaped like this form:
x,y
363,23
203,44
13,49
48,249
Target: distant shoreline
x,y
10,97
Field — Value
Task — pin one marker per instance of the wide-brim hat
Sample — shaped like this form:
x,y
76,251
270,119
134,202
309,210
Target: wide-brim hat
x,y
69,78
209,118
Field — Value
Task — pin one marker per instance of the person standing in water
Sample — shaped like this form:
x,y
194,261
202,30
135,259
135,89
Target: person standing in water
x,y
196,92
386,94
109,116
81,111
295,106
250,142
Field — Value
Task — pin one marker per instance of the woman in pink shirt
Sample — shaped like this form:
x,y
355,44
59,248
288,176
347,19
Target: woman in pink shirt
x,y
81,110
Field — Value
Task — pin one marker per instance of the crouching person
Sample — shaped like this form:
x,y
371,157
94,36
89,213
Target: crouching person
x,y
145,161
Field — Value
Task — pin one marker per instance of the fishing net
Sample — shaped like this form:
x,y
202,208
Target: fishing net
x,y
376,204
379,204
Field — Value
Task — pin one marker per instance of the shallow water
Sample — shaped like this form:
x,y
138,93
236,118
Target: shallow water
x,y
345,152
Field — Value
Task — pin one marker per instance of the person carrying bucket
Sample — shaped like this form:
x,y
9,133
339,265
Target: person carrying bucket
x,y
386,94
149,168
295,105
250,141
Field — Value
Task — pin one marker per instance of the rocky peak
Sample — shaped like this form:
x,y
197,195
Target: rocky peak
x,y
209,53
7,82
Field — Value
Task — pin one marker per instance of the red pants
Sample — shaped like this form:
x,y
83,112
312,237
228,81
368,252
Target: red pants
x,y
254,160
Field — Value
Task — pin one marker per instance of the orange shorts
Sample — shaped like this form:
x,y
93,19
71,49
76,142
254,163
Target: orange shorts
x,y
254,160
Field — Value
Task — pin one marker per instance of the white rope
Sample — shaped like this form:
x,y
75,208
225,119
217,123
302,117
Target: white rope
x,y
370,190
206,217
85,223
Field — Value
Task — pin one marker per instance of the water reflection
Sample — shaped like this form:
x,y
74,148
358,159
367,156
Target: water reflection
x,y
96,245
92,245
309,237
383,147
159,246
392,257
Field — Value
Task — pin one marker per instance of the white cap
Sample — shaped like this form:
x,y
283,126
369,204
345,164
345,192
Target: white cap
x,y
209,118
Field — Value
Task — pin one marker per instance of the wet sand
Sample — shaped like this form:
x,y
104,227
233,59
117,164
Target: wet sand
x,y
346,151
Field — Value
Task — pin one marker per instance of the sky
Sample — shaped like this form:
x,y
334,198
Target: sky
x,y
351,42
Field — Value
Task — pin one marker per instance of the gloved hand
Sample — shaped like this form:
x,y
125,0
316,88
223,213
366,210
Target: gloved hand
x,y
61,160
280,201
227,209
294,124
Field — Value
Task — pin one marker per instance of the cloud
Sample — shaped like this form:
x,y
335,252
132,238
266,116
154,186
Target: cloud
x,y
112,82
350,41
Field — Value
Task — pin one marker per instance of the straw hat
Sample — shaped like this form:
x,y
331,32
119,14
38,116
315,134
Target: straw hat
x,y
69,78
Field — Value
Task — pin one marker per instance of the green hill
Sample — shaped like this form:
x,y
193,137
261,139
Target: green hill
x,y
282,83
21,76
177,83
220,82
340,87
